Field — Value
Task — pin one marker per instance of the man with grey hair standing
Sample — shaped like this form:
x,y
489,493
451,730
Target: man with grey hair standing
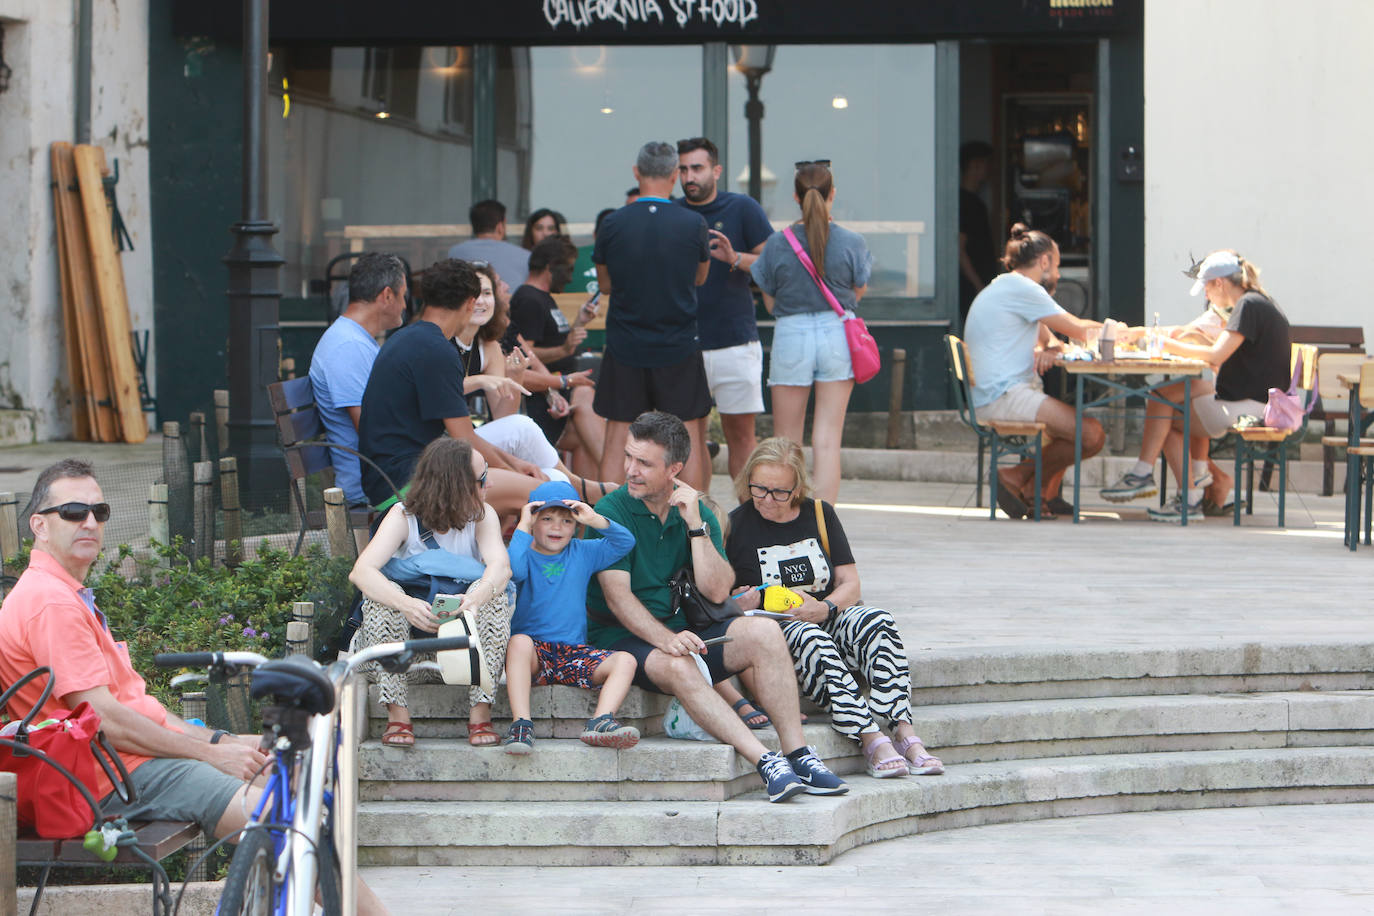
x,y
651,256
344,356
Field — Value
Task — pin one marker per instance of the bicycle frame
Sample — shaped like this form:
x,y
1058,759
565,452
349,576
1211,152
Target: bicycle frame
x,y
305,784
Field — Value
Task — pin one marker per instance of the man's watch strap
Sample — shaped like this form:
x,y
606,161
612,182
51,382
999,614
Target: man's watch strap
x,y
219,733
698,532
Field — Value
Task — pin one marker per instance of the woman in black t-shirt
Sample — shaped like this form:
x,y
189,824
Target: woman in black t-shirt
x,y
781,536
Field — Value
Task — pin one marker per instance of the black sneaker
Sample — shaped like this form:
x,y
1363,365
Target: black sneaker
x,y
779,781
814,774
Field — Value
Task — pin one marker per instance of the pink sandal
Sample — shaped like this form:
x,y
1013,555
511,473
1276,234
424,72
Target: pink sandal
x,y
924,764
875,766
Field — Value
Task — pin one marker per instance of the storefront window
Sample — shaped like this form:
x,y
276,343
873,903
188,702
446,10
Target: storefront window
x,y
870,109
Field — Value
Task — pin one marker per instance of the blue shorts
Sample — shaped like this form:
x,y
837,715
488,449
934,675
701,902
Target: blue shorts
x,y
809,348
714,657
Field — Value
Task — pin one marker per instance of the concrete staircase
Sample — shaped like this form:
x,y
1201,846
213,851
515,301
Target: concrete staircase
x,y
1024,735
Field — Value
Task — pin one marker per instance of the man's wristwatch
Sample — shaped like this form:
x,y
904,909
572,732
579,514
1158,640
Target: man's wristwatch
x,y
219,733
738,258
697,532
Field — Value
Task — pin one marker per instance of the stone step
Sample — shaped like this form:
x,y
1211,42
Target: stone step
x,y
663,768
812,831
941,676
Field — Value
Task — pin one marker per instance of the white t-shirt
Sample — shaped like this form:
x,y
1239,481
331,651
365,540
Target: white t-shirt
x,y
1001,331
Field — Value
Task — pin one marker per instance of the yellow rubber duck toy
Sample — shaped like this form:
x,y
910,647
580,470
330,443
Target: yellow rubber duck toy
x,y
780,599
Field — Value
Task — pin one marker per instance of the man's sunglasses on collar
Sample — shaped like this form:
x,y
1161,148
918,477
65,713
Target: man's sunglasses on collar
x,y
77,512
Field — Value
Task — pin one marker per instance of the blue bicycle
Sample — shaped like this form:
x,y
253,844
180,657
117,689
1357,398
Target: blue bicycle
x,y
299,841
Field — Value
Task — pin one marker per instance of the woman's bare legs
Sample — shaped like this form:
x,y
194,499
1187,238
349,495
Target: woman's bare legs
x,y
827,432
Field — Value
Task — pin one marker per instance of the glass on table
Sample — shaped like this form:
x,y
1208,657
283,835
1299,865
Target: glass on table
x,y
1092,341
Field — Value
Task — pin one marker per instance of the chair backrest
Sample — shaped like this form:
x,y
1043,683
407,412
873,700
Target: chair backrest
x,y
961,378
298,421
1330,367
1367,383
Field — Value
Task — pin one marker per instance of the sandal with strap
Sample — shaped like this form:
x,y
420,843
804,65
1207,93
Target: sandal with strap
x,y
482,734
398,734
747,716
923,764
875,763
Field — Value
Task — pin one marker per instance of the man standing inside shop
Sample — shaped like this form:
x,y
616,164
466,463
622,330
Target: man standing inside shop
x,y
726,327
651,256
977,257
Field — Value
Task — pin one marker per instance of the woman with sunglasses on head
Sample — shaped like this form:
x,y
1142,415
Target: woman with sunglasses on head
x,y
809,345
781,536
443,511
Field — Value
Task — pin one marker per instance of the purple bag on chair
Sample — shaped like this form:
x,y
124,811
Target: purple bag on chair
x,y
1285,410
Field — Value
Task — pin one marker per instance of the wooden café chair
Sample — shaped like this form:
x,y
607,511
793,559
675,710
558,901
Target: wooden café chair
x,y
1263,443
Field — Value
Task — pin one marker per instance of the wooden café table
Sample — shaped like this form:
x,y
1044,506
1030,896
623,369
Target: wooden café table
x,y
1126,377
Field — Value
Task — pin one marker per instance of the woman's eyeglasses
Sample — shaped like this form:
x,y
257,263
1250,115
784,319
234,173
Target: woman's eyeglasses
x,y
482,481
806,162
77,512
777,494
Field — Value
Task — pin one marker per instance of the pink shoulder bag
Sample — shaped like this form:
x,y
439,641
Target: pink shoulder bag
x,y
863,349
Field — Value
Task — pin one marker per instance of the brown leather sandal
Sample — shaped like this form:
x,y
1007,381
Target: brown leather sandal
x,y
482,734
399,734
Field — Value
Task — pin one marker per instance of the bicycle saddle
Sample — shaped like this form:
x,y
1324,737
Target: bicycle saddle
x,y
295,681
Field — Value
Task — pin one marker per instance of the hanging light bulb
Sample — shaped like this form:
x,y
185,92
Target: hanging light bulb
x,y
839,101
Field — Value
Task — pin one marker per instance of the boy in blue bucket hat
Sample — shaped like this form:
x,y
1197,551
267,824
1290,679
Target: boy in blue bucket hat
x,y
548,643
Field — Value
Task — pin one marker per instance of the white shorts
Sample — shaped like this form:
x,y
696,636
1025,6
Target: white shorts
x,y
1019,403
735,376
522,437
1218,416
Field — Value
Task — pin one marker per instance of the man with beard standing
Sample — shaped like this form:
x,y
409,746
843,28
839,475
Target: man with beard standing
x,y
725,305
1011,342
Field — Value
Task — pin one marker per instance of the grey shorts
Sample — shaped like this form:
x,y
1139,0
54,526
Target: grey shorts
x,y
176,789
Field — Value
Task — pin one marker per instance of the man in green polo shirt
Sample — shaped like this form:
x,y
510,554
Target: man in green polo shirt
x,y
629,609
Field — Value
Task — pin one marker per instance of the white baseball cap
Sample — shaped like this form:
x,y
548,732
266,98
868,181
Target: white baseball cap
x,y
1216,264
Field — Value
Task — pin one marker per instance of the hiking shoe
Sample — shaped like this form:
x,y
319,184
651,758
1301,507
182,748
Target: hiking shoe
x,y
814,774
1212,510
779,781
1173,511
519,737
1129,487
605,731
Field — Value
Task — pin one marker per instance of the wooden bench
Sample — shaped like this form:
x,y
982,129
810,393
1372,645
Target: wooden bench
x,y
1343,341
156,839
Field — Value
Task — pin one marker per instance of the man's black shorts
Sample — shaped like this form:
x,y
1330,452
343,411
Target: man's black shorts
x,y
624,392
714,657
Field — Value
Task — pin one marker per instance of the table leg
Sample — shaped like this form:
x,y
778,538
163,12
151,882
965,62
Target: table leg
x,y
1352,474
1186,478
1077,446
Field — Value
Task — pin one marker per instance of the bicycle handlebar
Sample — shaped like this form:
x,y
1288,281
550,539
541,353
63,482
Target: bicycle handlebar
x,y
209,659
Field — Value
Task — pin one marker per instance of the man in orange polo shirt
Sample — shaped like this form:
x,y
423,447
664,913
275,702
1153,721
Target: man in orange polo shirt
x,y
180,771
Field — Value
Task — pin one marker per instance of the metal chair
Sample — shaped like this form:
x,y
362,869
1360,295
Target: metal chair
x,y
1360,467
1002,437
307,451
1263,443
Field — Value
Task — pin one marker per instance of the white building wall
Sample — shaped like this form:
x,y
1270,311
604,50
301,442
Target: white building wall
x,y
37,110
1258,138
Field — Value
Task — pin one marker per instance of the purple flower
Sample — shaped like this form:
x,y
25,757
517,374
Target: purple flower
x,y
226,620
195,604
249,631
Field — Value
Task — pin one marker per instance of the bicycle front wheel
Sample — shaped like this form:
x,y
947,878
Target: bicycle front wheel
x,y
251,887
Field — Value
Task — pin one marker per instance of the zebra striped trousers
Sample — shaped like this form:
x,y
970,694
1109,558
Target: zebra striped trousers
x,y
859,639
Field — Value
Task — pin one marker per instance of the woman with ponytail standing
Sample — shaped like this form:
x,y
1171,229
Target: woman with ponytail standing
x,y
809,346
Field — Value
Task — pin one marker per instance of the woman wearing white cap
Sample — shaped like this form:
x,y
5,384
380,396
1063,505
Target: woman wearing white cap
x,y
1250,356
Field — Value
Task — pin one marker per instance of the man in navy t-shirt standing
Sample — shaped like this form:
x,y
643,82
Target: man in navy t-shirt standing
x,y
729,335
652,255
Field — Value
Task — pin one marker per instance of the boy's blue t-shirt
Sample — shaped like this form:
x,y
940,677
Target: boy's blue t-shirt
x,y
552,602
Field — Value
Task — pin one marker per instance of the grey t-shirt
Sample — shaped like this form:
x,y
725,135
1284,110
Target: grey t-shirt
x,y
511,262
780,274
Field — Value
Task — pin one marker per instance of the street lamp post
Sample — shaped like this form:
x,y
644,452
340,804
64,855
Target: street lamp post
x,y
254,287
754,61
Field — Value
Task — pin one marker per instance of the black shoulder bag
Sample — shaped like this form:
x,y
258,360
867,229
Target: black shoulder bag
x,y
700,611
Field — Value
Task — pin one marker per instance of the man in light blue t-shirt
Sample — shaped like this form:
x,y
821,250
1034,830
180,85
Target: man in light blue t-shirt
x,y
1010,336
488,243
343,358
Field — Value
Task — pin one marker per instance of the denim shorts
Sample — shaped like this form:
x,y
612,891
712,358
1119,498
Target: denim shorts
x,y
809,348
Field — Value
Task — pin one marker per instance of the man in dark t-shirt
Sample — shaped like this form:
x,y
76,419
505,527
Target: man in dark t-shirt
x,y
651,255
414,395
977,254
728,333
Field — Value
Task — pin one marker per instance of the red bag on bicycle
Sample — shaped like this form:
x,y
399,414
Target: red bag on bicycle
x,y
57,804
